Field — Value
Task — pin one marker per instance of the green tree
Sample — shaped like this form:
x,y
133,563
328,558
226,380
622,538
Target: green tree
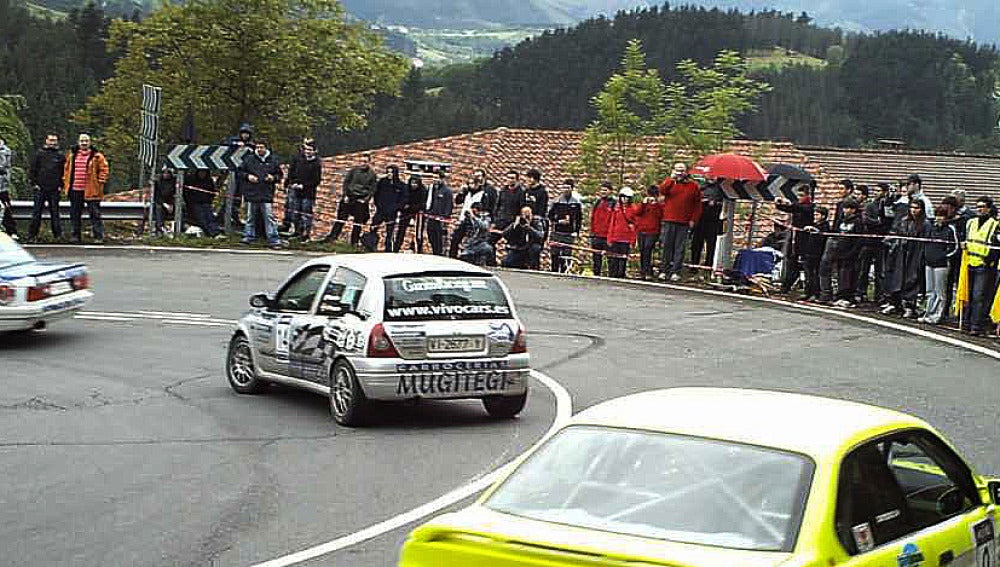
x,y
17,137
284,65
629,108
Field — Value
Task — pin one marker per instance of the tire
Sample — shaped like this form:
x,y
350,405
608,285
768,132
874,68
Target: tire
x,y
240,369
348,404
505,407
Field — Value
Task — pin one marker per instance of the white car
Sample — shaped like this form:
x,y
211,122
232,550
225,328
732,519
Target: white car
x,y
388,327
34,294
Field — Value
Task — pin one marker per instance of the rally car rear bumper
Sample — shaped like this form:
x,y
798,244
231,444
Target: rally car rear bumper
x,y
25,317
394,379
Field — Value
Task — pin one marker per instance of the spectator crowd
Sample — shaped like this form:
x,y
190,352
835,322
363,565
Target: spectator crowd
x,y
886,245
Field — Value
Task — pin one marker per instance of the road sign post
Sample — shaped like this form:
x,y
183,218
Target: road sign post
x,y
179,204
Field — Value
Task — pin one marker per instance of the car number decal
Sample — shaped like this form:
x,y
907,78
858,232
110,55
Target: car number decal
x,y
984,538
281,332
863,537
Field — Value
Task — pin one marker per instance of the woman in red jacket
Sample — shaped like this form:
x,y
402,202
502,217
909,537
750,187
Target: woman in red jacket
x,y
621,233
600,220
648,215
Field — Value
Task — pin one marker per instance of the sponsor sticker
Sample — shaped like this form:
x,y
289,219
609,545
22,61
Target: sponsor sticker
x,y
452,366
438,284
439,309
910,556
447,383
863,537
984,538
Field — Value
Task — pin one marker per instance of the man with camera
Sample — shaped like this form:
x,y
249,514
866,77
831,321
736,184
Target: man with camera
x,y
524,237
478,190
566,218
648,216
476,226
682,208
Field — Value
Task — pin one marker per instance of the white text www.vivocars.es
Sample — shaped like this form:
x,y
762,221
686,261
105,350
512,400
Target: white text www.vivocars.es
x,y
431,310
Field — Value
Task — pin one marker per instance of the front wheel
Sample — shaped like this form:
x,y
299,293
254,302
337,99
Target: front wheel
x,y
240,370
348,404
505,407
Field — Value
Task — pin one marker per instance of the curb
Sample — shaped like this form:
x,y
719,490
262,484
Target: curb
x,y
182,249
988,352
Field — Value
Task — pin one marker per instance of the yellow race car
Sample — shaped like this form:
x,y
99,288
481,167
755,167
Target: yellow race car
x,y
714,477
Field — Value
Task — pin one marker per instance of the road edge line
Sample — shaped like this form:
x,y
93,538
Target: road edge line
x,y
564,410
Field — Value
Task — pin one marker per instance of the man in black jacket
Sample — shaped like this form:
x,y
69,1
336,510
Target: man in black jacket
x,y
359,187
45,176
802,213
478,190
164,191
440,203
842,253
390,196
304,177
259,173
199,194
524,236
291,197
566,219
510,200
872,256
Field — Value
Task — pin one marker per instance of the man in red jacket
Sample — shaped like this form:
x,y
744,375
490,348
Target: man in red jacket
x,y
648,215
621,233
681,198
600,221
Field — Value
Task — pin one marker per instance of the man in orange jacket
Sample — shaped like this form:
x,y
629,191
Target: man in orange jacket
x,y
84,174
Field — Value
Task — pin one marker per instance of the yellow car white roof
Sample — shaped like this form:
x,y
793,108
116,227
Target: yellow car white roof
x,y
810,425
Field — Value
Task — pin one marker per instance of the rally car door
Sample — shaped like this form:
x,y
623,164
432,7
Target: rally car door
x,y
908,500
317,336
296,300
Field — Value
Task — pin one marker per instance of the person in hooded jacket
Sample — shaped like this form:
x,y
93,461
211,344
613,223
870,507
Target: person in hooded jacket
x,y
242,139
982,246
164,191
937,256
45,176
841,252
621,233
477,249
416,197
907,259
565,219
199,194
600,221
477,190
259,173
390,196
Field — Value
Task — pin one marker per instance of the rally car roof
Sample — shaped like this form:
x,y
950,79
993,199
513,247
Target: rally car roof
x,y
387,265
812,425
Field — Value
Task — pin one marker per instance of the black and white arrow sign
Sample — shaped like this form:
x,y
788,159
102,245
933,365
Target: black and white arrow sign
x,y
189,156
152,97
150,126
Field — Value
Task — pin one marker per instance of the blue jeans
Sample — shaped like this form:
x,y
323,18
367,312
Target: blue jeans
x,y
302,216
266,211
291,207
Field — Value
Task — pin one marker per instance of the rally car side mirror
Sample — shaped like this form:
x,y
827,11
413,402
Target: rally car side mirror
x,y
260,300
993,487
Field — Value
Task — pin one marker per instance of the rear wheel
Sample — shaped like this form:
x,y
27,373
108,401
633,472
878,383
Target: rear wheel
x,y
348,403
240,370
505,407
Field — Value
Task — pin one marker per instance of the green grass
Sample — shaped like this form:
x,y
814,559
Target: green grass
x,y
780,57
40,11
438,47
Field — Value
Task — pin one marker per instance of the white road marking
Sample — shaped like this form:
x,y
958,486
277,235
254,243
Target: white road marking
x,y
191,319
102,317
176,314
564,409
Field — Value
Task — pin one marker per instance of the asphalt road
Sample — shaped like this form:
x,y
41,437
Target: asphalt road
x,y
123,444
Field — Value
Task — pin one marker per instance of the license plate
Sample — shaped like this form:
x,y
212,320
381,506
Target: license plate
x,y
59,288
455,344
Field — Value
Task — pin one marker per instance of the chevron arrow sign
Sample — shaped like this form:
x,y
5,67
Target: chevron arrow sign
x,y
190,156
152,98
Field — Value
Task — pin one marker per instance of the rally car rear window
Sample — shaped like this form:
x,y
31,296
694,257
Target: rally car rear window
x,y
459,297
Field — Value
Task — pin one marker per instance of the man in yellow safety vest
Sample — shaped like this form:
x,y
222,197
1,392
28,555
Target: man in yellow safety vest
x,y
981,254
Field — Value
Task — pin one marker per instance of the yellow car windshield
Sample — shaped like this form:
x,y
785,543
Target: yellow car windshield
x,y
662,486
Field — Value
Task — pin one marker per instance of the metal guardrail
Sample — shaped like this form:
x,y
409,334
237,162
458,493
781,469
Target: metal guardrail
x,y
110,210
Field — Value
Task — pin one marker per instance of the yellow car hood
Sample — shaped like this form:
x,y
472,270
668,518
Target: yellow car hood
x,y
479,537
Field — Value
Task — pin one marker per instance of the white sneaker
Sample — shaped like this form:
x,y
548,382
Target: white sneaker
x,y
662,277
888,309
909,313
675,277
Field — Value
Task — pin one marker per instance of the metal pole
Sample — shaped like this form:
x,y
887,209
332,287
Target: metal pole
x,y
724,245
228,208
179,203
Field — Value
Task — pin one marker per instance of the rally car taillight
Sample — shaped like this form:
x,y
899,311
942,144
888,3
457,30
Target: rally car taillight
x,y
7,293
38,292
380,345
81,282
520,345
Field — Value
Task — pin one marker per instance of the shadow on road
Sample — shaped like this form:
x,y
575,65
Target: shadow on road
x,y
35,341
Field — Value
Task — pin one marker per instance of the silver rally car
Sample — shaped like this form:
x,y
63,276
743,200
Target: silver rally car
x,y
386,327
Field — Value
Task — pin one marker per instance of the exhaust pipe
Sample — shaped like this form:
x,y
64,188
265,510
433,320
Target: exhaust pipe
x,y
39,326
